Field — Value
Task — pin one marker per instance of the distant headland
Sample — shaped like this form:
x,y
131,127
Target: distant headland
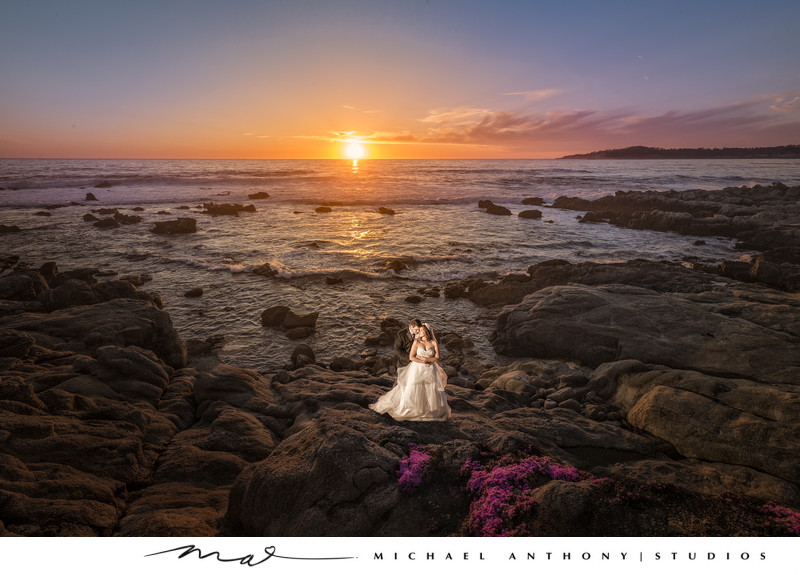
x,y
646,153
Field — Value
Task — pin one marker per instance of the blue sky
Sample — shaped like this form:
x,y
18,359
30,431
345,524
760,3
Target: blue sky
x,y
406,78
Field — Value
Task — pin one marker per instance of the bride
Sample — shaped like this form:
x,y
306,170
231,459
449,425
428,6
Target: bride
x,y
419,393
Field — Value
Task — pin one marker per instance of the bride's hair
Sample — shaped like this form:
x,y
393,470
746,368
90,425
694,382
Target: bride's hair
x,y
427,331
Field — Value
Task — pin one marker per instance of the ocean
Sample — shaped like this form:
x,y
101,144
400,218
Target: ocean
x,y
437,228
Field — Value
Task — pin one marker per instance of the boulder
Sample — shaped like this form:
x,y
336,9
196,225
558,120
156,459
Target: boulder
x,y
386,211
106,224
194,292
274,316
179,226
595,325
345,364
90,197
303,355
533,201
258,196
530,214
226,209
323,210
498,210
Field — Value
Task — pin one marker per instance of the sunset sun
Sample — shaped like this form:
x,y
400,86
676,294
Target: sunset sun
x,y
355,150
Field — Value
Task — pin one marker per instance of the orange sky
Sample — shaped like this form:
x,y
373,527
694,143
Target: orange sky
x,y
444,79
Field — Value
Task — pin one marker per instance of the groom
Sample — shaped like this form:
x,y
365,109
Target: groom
x,y
404,340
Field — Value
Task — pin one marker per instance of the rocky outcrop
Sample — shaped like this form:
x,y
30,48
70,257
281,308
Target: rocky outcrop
x,y
179,226
226,209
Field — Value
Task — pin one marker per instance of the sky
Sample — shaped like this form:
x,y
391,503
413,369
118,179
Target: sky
x,y
406,78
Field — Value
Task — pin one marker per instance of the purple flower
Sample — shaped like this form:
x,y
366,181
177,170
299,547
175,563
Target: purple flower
x,y
779,515
412,469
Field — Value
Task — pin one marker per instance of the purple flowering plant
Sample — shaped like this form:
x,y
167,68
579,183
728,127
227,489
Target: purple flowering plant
x,y
412,469
503,491
783,516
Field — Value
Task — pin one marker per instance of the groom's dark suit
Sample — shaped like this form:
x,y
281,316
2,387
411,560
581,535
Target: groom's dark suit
x,y
402,346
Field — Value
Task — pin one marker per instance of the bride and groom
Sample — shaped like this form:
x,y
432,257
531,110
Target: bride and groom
x,y
419,392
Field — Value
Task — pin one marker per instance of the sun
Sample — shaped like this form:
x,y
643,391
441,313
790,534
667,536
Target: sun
x,y
355,150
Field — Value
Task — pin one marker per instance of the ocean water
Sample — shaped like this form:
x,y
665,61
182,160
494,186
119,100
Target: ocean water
x,y
437,227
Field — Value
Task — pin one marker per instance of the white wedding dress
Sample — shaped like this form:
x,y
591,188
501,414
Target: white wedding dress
x,y
419,393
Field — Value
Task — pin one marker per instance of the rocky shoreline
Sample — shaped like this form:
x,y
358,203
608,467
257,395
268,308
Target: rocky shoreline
x,y
639,399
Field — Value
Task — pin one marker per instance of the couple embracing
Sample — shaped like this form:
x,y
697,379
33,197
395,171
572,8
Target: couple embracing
x,y
419,392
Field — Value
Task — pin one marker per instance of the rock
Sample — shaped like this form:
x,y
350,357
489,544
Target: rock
x,y
386,211
42,213
333,280
4,229
226,209
571,404
89,218
530,214
15,343
483,204
323,210
258,196
595,325
90,197
274,316
699,243
344,465
138,209
514,381
103,184
400,264
550,404
414,299
126,220
194,292
562,395
498,210
292,320
345,364
533,201
265,270
453,291
299,332
179,226
733,421
22,285
106,223
303,355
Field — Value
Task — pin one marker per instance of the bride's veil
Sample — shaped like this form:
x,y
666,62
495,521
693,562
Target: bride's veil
x,y
430,329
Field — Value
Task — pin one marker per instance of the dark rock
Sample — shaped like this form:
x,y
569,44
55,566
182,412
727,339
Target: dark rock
x,y
194,292
127,220
163,213
4,229
323,210
265,270
333,280
258,196
226,209
138,209
48,214
303,355
90,197
179,226
533,201
498,210
345,364
292,320
22,285
89,218
530,214
414,299
483,204
106,223
299,332
699,243
274,316
386,211
103,184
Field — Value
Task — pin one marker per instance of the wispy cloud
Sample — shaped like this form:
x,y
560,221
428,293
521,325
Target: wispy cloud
x,y
535,95
783,104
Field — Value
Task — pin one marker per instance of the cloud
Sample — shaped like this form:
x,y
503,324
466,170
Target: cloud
x,y
721,123
535,95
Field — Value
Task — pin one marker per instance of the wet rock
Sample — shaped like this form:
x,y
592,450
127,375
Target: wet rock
x,y
103,184
258,196
536,201
345,364
47,214
496,210
386,211
90,197
323,210
89,218
333,280
530,214
414,299
303,355
106,224
179,226
226,209
274,316
265,270
4,229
